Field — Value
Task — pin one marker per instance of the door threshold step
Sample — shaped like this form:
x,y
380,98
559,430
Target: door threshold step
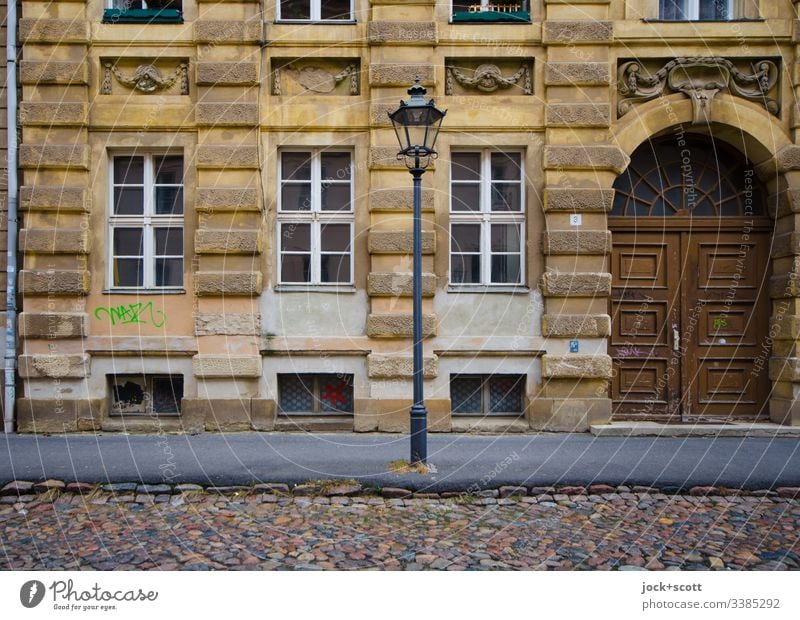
x,y
314,423
478,424
726,429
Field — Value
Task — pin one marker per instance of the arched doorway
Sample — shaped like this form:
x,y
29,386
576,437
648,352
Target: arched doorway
x,y
690,270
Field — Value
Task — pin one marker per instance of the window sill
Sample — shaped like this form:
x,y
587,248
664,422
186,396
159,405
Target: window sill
x,y
144,291
514,290
493,17
315,288
142,16
703,21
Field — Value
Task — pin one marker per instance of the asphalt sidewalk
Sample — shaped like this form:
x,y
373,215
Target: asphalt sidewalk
x,y
460,461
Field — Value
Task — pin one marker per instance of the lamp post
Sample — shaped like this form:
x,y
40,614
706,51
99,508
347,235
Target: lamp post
x,y
416,123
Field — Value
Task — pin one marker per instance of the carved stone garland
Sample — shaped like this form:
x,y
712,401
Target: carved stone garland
x,y
146,78
315,79
700,79
488,78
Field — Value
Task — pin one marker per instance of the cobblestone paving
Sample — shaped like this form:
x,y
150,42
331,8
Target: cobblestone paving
x,y
200,531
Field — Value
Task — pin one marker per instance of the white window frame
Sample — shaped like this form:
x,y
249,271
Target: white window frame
x,y
693,10
316,217
486,217
315,15
484,3
148,221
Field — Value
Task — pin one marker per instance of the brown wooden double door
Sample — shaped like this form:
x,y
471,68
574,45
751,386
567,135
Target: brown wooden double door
x,y
690,315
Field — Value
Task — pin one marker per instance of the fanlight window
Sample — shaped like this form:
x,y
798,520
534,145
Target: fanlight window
x,y
699,178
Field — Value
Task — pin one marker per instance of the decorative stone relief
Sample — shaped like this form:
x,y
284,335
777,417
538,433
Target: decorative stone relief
x,y
487,78
321,77
700,79
146,78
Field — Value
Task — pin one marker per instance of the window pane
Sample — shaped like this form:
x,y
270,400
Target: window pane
x,y
335,268
714,10
465,269
465,394
336,394
167,394
296,197
128,242
505,394
335,9
506,196
169,242
466,167
296,166
296,237
169,272
128,200
462,6
128,170
335,237
336,166
126,5
466,238
295,393
506,166
336,197
128,272
295,268
466,197
505,238
169,169
505,268
169,200
674,9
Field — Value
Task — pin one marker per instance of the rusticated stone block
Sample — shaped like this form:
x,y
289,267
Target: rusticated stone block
x,y
53,72
54,156
53,30
53,198
234,32
399,284
391,74
578,199
226,114
399,366
379,114
227,199
576,366
262,414
226,366
227,283
787,244
55,113
585,157
227,324
395,199
573,32
401,242
784,285
384,157
578,114
789,158
784,369
227,157
596,242
577,73
576,325
54,366
53,324
784,327
398,325
401,33
54,241
57,415
227,242
233,73
52,282
576,284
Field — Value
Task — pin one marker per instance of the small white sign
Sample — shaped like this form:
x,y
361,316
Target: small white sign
x,y
575,219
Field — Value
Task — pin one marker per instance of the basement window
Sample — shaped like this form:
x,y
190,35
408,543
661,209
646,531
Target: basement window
x,y
146,394
315,394
143,12
487,394
483,11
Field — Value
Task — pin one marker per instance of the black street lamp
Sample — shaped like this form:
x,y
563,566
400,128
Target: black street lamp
x,y
416,123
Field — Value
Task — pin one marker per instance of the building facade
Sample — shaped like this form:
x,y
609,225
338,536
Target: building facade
x,y
216,228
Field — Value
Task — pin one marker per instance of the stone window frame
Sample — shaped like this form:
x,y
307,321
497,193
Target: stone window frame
x,y
693,11
486,218
315,16
316,217
148,221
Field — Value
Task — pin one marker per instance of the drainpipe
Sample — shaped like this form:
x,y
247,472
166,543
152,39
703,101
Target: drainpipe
x,y
13,198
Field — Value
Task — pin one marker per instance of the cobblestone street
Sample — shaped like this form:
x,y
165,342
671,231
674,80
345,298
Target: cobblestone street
x,y
264,528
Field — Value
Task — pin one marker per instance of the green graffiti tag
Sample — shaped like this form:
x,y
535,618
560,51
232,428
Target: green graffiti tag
x,y
132,313
720,322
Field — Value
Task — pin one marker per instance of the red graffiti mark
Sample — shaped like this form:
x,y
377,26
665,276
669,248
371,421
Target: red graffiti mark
x,y
334,394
